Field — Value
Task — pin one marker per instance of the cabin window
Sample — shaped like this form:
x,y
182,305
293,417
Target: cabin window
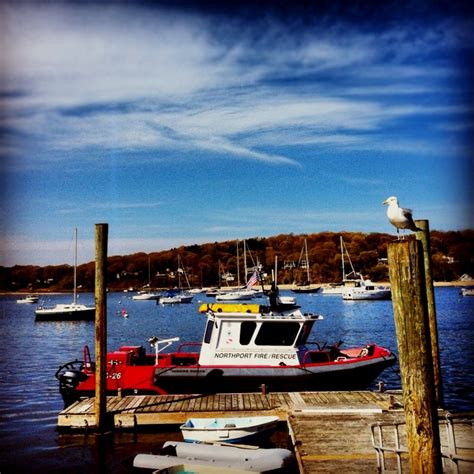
x,y
247,328
303,336
277,334
208,333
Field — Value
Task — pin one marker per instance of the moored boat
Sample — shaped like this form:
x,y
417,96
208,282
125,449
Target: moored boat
x,y
467,291
65,312
215,457
70,311
307,287
228,429
146,295
176,297
30,299
243,347
366,290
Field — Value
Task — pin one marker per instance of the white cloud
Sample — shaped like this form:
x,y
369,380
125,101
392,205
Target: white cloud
x,y
169,81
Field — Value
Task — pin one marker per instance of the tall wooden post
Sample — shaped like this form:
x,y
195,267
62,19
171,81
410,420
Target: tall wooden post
x,y
101,236
423,235
416,365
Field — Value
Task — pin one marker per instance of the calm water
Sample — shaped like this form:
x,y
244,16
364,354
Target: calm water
x,y
32,351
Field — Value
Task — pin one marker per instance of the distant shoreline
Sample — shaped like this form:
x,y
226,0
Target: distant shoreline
x,y
458,284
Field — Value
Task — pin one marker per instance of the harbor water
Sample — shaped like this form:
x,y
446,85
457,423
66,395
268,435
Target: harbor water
x,y
32,352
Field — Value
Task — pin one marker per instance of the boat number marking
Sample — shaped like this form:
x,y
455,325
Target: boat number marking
x,y
115,376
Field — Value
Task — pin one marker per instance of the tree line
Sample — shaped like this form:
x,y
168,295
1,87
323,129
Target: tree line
x,y
222,263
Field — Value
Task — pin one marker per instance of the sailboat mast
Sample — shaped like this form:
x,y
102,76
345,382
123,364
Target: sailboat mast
x,y
149,275
342,259
245,261
238,265
75,265
307,261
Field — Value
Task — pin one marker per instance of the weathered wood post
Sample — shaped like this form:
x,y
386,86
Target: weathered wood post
x,y
414,347
423,235
101,236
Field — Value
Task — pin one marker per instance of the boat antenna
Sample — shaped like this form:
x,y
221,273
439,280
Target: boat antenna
x,y
75,266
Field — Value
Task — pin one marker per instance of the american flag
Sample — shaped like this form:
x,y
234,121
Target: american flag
x,y
253,280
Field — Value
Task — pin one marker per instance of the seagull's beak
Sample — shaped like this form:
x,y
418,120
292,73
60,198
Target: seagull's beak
x,y
385,202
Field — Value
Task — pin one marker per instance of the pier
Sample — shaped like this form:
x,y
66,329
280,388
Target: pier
x,y
329,431
147,410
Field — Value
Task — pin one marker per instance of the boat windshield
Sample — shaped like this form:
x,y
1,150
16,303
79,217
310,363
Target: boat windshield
x,y
273,333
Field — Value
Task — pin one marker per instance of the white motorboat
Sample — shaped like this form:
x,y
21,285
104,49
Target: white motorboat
x,y
366,290
467,291
214,458
228,429
353,286
30,299
69,311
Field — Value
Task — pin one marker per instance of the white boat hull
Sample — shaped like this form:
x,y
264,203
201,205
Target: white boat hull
x,y
230,430
29,300
146,296
235,296
61,312
355,295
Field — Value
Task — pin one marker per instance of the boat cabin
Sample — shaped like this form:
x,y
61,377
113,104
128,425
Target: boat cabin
x,y
253,339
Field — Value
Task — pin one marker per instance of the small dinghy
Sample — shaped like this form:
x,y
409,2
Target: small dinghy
x,y
229,429
204,457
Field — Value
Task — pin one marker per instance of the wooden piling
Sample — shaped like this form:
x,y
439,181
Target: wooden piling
x,y
409,301
100,405
423,235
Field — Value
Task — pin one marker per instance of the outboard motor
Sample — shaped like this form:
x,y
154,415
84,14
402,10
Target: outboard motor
x,y
69,378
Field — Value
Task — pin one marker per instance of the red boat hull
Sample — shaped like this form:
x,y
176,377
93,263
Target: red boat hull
x,y
131,371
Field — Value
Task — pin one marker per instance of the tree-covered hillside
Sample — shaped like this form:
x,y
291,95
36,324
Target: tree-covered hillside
x,y
215,264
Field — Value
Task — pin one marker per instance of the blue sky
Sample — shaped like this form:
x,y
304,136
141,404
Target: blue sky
x,y
190,122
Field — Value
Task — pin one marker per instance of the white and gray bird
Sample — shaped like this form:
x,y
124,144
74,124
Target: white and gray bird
x,y
398,216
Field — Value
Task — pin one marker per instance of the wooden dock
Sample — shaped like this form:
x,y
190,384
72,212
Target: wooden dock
x,y
146,410
330,431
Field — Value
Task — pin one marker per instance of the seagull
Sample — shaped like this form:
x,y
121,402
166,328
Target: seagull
x,y
398,216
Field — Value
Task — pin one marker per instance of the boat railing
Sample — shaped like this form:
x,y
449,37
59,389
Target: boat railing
x,y
89,366
457,447
155,342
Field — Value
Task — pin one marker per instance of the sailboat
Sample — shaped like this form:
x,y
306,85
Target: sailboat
x,y
353,285
147,295
307,287
69,311
338,288
178,295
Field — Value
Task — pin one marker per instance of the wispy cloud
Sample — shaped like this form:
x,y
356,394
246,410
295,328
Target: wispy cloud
x,y
170,83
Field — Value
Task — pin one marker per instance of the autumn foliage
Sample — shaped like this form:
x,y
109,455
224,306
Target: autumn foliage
x,y
205,264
